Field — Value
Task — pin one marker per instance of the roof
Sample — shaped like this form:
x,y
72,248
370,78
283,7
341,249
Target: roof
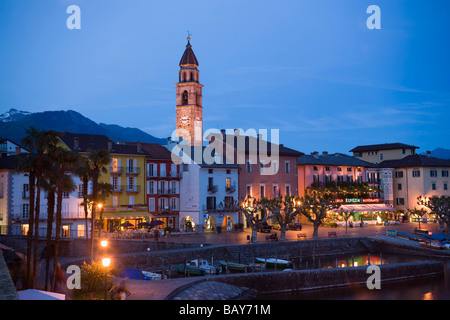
x,y
11,162
97,142
188,56
415,160
203,164
153,150
337,159
385,146
249,140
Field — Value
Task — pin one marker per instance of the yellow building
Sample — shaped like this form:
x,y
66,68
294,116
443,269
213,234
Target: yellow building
x,y
126,174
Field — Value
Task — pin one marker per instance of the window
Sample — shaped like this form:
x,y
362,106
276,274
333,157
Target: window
x,y
131,200
315,168
349,169
65,194
403,150
381,157
174,203
210,203
115,201
114,165
151,187
316,178
130,183
328,178
1,190
25,210
262,191
162,187
151,169
249,191
399,174
339,169
287,167
174,187
163,204
80,231
399,186
340,178
262,167
228,171
151,204
210,171
26,191
445,186
228,183
132,166
400,201
349,178
288,190
173,170
276,192
433,173
445,173
416,173
433,186
275,166
327,168
162,169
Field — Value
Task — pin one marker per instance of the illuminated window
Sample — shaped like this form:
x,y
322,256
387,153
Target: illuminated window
x,y
115,165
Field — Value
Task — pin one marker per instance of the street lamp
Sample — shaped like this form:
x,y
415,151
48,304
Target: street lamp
x,y
106,262
104,243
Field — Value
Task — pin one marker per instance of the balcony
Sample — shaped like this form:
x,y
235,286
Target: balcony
x,y
133,170
116,171
172,175
133,189
212,188
117,189
230,189
131,207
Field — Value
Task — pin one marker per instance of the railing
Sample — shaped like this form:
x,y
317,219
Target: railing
x,y
172,175
133,170
230,189
133,189
212,188
131,207
117,170
117,189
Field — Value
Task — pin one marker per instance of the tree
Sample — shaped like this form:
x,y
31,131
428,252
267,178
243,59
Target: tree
x,y
346,215
256,213
439,206
64,160
417,213
104,191
28,165
96,159
83,171
41,141
315,208
284,210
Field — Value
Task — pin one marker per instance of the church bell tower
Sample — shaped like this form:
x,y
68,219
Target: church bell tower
x,y
189,110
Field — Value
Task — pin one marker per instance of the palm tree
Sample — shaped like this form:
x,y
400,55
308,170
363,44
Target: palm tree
x,y
41,141
97,159
83,171
104,191
49,185
65,160
28,165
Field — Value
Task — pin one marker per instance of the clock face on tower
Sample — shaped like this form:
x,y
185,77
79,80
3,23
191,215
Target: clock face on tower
x,y
184,120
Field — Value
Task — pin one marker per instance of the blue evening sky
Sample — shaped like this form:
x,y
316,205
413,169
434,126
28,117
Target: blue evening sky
x,y
310,68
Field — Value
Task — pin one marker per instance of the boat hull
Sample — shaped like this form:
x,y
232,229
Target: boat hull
x,y
272,263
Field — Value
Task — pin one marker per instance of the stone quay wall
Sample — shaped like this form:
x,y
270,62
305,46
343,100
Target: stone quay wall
x,y
286,281
246,253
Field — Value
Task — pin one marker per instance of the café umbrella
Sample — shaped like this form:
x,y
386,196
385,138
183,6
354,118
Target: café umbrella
x,y
127,224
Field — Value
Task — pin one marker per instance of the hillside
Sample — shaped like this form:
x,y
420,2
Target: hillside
x,y
14,123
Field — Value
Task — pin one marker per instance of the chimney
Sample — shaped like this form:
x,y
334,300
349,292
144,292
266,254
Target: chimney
x,y
325,153
315,154
428,153
109,145
139,147
76,143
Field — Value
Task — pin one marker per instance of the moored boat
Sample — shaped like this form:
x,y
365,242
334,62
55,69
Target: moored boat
x,y
191,270
271,263
147,275
435,244
232,266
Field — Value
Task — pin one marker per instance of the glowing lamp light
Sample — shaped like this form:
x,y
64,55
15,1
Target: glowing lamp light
x,y
104,243
106,262
99,205
430,233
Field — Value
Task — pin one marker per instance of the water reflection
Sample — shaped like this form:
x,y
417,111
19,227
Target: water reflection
x,y
432,288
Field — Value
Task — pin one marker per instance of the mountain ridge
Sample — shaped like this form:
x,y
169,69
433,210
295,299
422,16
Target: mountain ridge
x,y
14,123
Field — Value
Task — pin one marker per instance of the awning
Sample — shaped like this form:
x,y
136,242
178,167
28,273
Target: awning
x,y
364,207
